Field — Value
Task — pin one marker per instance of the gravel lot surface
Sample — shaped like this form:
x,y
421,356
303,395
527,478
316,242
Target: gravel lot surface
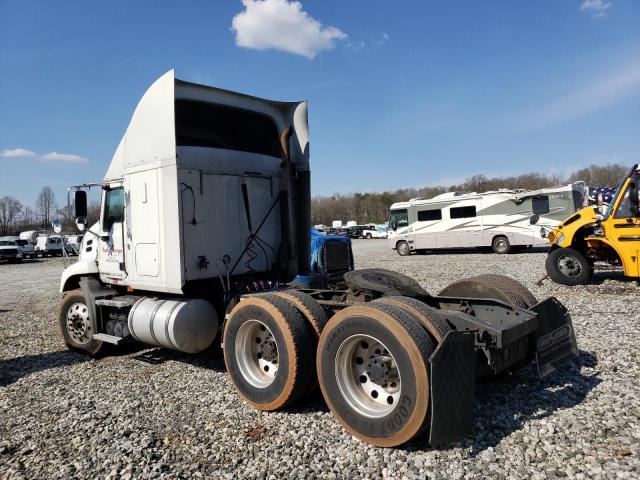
x,y
63,415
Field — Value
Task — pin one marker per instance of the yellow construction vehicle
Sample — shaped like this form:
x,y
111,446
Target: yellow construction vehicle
x,y
595,234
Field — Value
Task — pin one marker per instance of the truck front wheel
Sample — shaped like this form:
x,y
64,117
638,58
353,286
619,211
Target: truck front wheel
x,y
373,369
568,267
75,326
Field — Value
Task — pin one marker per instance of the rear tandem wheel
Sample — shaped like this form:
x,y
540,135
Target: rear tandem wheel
x,y
373,369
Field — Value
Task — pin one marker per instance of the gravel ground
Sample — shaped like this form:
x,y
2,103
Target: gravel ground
x,y
147,413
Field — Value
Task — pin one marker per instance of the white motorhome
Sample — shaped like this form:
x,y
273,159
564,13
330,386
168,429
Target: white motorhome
x,y
497,219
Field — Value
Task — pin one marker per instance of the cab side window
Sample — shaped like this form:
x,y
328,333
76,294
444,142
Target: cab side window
x,y
113,208
624,207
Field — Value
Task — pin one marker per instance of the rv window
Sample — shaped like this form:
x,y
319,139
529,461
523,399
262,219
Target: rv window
x,y
429,215
399,218
462,212
200,124
113,208
540,204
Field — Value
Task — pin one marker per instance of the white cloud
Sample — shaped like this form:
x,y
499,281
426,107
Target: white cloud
x,y
597,7
384,38
47,157
282,25
597,96
17,152
63,157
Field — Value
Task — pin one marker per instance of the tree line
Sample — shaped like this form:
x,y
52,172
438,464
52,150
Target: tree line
x,y
15,217
374,207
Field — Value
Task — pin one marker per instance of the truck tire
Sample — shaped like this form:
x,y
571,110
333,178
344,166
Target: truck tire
x,y
402,248
269,352
527,298
75,325
368,236
568,267
490,287
501,245
373,370
428,317
308,307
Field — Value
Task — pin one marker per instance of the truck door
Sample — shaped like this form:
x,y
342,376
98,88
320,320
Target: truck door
x,y
623,228
111,253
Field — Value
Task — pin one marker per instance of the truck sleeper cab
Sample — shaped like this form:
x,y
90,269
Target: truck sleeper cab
x,y
204,223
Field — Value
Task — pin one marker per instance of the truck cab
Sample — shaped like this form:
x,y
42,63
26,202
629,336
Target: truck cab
x,y
592,235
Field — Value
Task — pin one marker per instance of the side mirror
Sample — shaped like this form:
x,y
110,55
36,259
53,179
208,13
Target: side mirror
x,y
535,218
80,201
57,225
81,223
393,223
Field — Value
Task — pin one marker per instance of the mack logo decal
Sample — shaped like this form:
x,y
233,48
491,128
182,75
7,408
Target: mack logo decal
x,y
553,338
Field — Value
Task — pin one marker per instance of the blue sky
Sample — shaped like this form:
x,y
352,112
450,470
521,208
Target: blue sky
x,y
401,94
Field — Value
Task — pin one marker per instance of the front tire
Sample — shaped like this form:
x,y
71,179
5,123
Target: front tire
x,y
368,236
75,325
373,370
568,267
269,352
403,248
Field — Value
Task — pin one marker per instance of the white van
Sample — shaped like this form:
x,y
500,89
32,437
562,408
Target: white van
x,y
497,219
48,245
24,247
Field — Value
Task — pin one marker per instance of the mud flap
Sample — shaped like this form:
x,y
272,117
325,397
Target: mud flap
x,y
452,386
555,339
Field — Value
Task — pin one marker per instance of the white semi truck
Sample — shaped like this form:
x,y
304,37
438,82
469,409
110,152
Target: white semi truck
x,y
205,222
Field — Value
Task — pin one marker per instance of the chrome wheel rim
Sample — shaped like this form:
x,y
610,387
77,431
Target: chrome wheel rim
x,y
501,245
78,324
403,248
368,376
569,266
256,353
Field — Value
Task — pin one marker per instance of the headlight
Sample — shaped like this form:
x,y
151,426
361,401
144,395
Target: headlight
x,y
559,240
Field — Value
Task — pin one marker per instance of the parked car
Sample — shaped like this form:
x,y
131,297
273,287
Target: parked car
x,y
24,247
48,245
9,251
377,232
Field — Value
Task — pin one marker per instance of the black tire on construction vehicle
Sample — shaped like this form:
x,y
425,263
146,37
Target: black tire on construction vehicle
x,y
373,370
402,248
269,351
568,267
428,317
493,287
501,245
75,326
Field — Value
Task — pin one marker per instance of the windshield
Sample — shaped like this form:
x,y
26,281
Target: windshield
x,y
22,243
398,219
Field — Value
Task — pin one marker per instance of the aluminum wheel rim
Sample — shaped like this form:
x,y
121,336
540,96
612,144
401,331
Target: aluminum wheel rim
x,y
368,376
502,245
256,353
78,324
569,266
403,248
